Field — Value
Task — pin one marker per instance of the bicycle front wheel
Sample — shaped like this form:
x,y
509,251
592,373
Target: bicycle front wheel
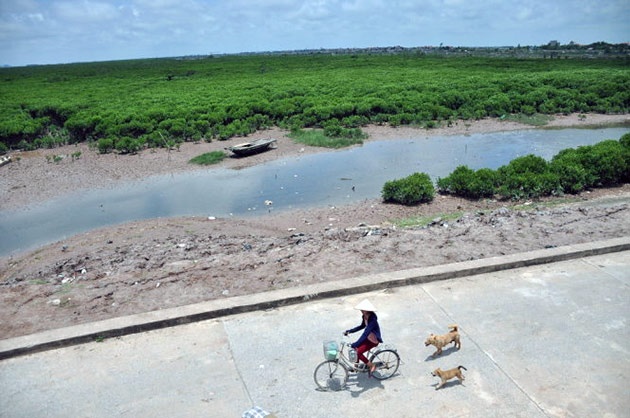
x,y
387,362
331,375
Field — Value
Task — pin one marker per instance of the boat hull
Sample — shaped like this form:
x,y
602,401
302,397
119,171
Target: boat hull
x,y
250,148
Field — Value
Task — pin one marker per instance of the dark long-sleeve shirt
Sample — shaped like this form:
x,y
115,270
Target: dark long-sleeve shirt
x,y
372,326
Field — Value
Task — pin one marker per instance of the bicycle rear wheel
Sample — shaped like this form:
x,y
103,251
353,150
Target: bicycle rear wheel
x,y
387,362
331,375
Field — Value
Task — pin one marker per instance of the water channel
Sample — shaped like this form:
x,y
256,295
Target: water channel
x,y
315,180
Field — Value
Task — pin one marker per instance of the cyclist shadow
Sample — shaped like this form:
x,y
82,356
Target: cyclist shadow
x,y
362,383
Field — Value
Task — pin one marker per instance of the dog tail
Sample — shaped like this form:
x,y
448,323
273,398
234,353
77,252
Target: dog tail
x,y
462,367
453,327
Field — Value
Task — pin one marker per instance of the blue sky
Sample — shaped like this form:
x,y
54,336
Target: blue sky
x,y
62,31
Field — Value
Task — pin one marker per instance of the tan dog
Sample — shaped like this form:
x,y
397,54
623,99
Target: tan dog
x,y
440,341
446,375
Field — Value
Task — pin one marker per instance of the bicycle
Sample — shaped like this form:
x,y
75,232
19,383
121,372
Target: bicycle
x,y
333,373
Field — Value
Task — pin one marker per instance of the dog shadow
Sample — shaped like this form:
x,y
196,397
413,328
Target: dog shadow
x,y
445,352
448,384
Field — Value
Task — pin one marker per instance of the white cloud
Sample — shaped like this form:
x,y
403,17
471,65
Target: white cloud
x,y
85,11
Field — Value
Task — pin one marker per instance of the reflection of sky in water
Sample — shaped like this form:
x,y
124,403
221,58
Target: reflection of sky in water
x,y
306,181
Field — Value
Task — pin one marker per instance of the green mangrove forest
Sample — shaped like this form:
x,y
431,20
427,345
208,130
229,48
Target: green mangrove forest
x,y
127,106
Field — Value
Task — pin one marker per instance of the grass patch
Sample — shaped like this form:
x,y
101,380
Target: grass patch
x,y
316,138
536,119
208,158
420,221
557,201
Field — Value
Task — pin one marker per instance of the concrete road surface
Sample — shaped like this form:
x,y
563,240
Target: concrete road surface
x,y
543,341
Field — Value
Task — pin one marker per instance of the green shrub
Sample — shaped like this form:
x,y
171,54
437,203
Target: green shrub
x,y
572,177
605,163
469,183
25,145
457,182
81,126
562,162
105,145
411,190
528,164
3,148
527,177
529,185
128,145
608,162
208,158
333,129
625,143
355,121
484,183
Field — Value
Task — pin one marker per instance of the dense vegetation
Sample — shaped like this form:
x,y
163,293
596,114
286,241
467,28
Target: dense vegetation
x,y
572,170
129,105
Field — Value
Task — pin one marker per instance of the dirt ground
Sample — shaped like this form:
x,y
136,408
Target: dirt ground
x,y
162,263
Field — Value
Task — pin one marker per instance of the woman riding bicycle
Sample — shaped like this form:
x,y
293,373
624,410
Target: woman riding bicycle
x,y
371,336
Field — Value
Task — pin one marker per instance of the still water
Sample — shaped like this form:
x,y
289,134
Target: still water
x,y
324,179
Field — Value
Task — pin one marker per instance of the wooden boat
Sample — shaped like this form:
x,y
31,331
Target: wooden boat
x,y
254,147
5,160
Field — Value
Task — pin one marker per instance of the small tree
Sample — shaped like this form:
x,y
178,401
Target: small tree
x,y
414,189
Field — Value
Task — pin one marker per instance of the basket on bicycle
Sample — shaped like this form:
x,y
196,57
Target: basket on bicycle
x,y
331,350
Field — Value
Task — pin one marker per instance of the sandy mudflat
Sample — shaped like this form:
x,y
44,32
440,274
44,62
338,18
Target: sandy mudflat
x,y
162,263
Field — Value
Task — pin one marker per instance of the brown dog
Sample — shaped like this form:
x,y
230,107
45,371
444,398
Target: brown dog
x,y
440,341
445,375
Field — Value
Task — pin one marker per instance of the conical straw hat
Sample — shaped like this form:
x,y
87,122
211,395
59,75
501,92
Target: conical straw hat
x,y
365,305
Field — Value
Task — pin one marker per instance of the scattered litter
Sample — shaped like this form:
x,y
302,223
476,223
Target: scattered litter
x,y
212,218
